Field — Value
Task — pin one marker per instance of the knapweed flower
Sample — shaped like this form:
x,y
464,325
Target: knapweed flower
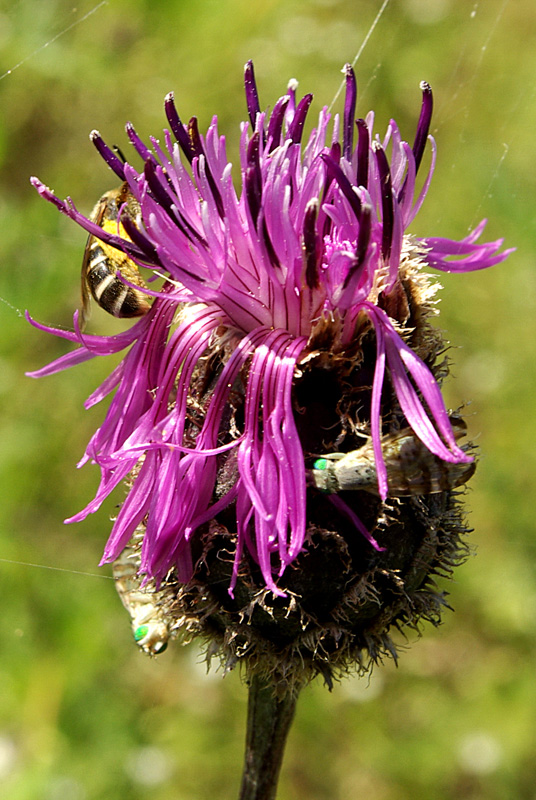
x,y
293,322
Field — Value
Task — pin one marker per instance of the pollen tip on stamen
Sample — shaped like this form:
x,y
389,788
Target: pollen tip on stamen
x,y
349,111
351,84
112,156
423,126
252,96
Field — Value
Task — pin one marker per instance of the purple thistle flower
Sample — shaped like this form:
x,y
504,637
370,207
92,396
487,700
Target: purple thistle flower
x,y
310,249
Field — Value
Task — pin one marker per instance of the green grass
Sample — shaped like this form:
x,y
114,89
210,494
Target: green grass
x,y
83,715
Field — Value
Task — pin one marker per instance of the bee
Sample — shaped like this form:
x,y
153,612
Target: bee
x,y
411,468
102,262
146,605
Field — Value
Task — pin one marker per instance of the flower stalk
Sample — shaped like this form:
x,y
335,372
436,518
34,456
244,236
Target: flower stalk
x,y
268,722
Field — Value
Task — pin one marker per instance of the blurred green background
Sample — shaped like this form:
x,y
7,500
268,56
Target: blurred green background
x,y
83,715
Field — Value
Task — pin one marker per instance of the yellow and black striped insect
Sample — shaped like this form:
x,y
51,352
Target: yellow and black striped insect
x,y
146,605
411,468
102,262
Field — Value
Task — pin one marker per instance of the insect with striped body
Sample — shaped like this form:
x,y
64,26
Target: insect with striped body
x,y
146,605
102,262
411,468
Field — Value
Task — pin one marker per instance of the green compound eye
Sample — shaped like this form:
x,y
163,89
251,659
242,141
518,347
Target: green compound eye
x,y
141,632
320,463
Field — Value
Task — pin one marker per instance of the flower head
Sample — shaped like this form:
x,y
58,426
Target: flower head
x,y
292,322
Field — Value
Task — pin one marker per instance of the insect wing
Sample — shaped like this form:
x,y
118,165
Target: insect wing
x,y
412,469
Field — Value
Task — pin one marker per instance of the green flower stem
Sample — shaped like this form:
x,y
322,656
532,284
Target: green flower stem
x,y
269,720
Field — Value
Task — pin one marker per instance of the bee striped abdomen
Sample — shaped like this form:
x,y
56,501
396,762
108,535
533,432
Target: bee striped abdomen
x,y
108,290
102,262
